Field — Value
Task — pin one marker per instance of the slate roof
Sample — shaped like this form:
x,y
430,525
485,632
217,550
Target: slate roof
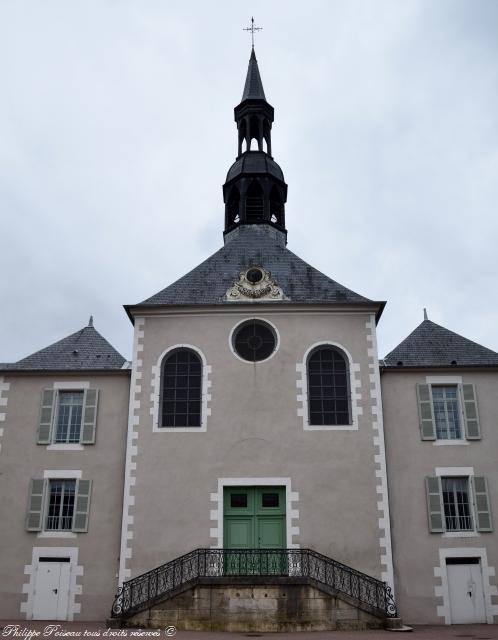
x,y
253,88
255,245
84,350
255,162
431,345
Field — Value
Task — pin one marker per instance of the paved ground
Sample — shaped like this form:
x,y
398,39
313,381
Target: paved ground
x,y
31,630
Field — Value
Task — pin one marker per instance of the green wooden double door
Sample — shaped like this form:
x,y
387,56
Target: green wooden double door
x,y
254,519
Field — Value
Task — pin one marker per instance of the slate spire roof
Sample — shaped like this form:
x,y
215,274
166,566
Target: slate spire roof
x,y
253,88
431,345
86,349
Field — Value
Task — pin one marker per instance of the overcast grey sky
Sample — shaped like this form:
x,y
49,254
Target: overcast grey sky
x,y
116,132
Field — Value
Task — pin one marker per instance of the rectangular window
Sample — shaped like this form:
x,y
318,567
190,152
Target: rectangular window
x,y
69,417
446,413
60,509
456,504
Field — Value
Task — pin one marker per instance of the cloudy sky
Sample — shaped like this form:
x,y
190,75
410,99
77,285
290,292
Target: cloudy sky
x,y
116,132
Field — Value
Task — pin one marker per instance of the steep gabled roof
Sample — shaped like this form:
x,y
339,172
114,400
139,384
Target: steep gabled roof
x,y
431,345
84,350
255,245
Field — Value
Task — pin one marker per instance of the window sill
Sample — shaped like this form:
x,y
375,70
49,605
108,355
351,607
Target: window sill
x,y
73,446
461,534
56,534
444,443
331,427
201,429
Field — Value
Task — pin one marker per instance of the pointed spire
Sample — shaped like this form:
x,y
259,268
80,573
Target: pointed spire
x,y
253,89
90,322
425,314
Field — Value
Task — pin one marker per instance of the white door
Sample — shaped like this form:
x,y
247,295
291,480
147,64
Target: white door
x,y
51,593
466,593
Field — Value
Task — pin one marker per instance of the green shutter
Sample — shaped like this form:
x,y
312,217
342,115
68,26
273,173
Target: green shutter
x,y
46,416
82,505
425,412
34,518
434,505
89,416
469,403
481,504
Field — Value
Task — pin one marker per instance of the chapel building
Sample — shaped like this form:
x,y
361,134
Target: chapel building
x,y
254,467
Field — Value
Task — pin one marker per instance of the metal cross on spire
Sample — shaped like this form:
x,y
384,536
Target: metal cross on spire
x,y
252,29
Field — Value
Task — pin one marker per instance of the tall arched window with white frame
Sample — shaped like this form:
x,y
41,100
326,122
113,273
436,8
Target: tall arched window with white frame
x,y
328,387
181,389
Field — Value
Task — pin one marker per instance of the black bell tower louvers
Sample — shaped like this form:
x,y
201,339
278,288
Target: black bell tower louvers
x,y
255,191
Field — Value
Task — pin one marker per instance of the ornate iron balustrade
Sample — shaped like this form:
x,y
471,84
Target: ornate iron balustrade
x,y
149,588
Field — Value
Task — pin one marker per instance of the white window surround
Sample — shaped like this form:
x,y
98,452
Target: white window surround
x,y
67,385
291,513
442,590
75,572
236,326
155,396
468,472
62,474
449,443
354,386
65,446
57,534
441,380
454,471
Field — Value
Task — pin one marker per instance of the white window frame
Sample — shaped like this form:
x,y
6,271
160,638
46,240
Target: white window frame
x,y
56,474
449,381
459,472
66,385
354,384
59,515
156,394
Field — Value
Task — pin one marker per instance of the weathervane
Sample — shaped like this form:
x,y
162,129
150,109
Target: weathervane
x,y
252,29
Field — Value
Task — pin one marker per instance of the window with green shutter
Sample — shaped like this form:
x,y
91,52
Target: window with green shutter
x,y
58,505
458,504
448,412
482,504
68,416
34,518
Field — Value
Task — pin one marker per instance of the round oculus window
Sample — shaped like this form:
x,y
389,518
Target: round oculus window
x,y
254,340
254,275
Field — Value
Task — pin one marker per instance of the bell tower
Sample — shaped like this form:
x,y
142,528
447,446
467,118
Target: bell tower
x,y
255,191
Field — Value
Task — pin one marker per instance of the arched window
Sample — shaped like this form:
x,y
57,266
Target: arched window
x,y
328,389
255,207
181,389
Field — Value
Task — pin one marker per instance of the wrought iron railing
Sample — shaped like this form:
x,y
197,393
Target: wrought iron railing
x,y
149,588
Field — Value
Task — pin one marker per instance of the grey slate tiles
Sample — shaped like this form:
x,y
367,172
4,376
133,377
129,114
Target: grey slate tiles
x,y
254,245
253,88
84,350
431,345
